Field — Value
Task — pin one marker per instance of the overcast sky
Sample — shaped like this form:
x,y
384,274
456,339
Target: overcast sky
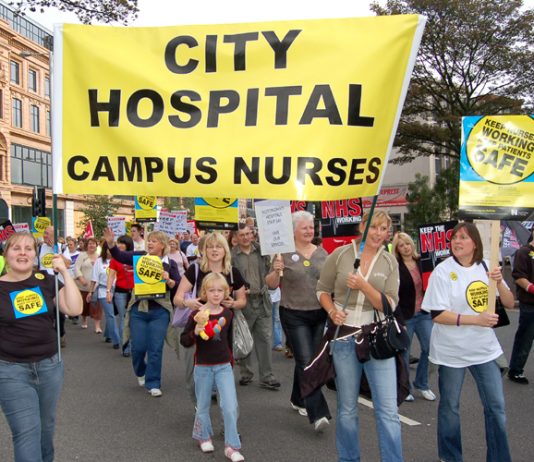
x,y
176,12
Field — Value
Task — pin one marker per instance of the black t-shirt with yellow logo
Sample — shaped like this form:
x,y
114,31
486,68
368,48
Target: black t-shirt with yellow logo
x,y
27,319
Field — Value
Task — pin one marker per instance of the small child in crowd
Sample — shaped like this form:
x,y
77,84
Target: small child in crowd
x,y
209,330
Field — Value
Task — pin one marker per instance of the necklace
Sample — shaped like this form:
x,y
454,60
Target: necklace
x,y
306,251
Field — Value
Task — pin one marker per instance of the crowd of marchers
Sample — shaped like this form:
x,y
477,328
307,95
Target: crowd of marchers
x,y
290,303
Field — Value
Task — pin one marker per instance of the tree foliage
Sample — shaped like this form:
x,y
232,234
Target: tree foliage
x,y
180,203
95,210
432,205
475,59
87,11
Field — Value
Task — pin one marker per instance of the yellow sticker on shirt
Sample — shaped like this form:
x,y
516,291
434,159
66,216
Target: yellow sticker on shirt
x,y
28,302
477,296
39,276
454,276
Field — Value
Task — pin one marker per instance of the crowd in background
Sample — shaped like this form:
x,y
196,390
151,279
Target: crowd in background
x,y
288,302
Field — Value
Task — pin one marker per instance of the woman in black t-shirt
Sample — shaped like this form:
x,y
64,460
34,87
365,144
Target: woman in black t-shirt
x,y
216,258
31,373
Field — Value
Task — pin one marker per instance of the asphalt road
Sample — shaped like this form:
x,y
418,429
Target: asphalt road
x,y
105,416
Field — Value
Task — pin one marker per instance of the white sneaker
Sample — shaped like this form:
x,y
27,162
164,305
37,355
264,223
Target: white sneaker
x,y
321,424
155,392
301,410
428,395
233,454
409,398
206,446
141,381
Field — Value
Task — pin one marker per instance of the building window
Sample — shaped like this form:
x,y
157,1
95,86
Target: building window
x,y
47,87
15,72
20,214
48,131
32,80
36,127
1,104
30,166
17,113
26,27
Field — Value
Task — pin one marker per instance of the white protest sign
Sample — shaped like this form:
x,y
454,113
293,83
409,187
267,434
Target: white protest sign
x,y
117,225
167,223
275,227
181,220
21,227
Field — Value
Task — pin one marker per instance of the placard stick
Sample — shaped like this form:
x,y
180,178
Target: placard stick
x,y
281,272
495,238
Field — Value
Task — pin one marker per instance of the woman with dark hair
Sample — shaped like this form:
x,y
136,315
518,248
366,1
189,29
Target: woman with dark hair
x,y
409,310
463,339
120,276
99,281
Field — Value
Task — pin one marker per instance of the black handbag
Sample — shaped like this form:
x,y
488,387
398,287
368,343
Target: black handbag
x,y
500,310
504,320
388,337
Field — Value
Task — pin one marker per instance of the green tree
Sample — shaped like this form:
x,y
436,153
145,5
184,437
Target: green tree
x,y
95,210
87,10
181,203
432,205
475,58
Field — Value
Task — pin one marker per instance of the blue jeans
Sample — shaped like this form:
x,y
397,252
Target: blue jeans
x,y
29,393
382,378
489,383
120,300
305,329
523,339
110,331
277,327
223,376
148,332
421,325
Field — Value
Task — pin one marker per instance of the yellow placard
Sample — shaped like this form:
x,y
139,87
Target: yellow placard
x,y
148,276
216,209
281,110
496,167
145,208
39,224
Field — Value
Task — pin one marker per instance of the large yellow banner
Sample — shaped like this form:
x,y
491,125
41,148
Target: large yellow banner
x,y
283,110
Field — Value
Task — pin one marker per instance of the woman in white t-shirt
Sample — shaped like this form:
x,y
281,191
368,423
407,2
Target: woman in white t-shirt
x,y
462,338
99,281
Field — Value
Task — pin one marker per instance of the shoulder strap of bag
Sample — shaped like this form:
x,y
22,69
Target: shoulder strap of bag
x,y
194,291
386,307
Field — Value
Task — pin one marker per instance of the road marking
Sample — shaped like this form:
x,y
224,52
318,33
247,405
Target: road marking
x,y
403,419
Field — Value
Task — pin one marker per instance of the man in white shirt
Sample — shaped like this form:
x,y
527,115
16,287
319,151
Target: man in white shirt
x,y
192,249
